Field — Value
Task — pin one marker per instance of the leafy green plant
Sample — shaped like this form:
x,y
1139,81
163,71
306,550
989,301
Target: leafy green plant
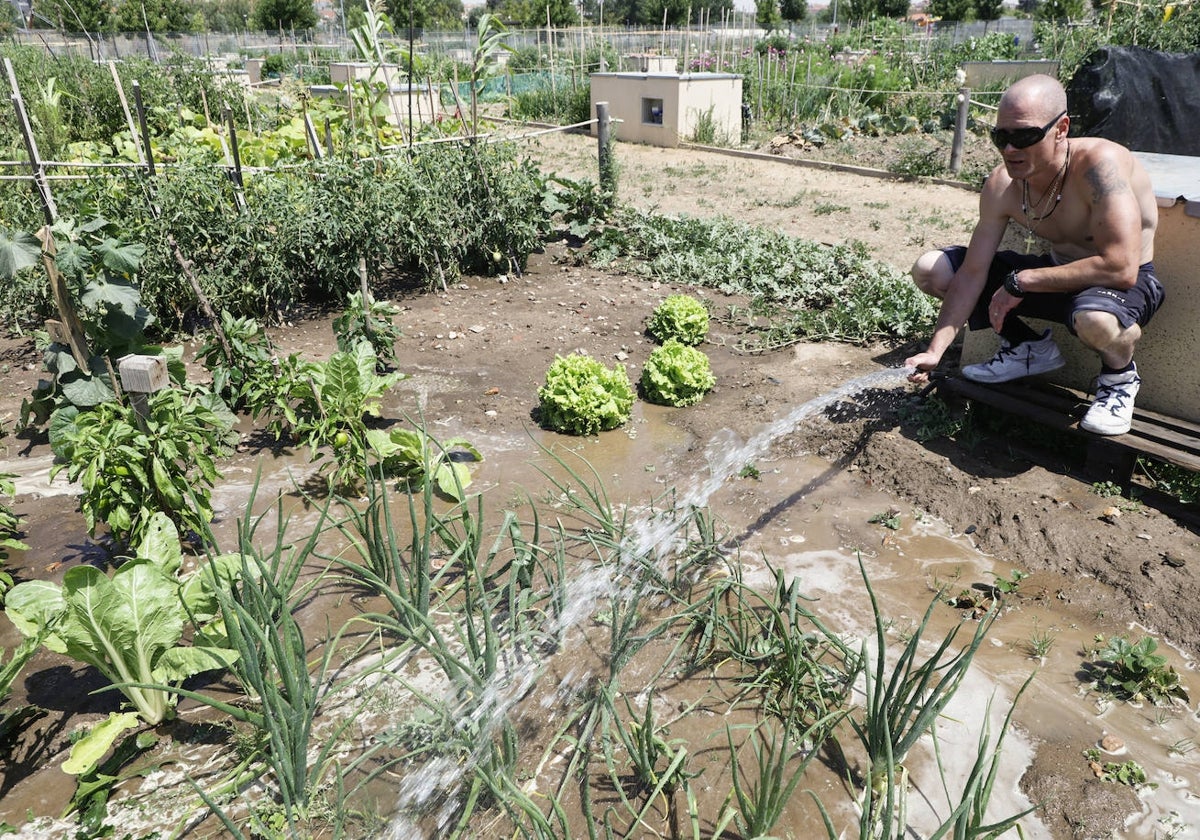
x,y
131,467
582,397
1106,489
1133,671
677,375
1009,585
111,312
251,379
889,519
1128,773
328,403
681,317
369,321
412,454
582,205
10,525
130,626
798,289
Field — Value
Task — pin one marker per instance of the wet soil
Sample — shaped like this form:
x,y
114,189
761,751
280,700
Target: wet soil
x,y
477,353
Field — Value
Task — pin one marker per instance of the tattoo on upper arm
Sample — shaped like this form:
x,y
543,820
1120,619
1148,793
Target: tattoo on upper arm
x,y
1105,179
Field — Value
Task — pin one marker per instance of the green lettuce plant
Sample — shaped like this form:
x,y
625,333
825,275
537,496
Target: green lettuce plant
x,y
130,626
681,317
582,397
676,375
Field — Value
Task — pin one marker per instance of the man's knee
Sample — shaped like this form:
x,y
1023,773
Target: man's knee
x,y
932,273
1100,330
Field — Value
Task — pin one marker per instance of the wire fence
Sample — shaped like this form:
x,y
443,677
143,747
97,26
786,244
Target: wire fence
x,y
739,28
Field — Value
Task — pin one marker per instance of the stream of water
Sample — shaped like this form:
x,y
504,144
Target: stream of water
x,y
441,778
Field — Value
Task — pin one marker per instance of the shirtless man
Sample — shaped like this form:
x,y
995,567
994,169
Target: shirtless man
x,y
1093,201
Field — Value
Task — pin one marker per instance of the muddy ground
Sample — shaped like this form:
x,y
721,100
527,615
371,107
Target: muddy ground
x,y
478,352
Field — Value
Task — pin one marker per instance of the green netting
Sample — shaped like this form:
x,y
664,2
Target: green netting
x,y
499,88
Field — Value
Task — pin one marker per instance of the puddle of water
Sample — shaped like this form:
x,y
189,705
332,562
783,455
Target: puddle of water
x,y
817,541
810,519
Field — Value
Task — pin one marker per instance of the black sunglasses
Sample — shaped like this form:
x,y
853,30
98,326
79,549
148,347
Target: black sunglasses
x,y
1022,138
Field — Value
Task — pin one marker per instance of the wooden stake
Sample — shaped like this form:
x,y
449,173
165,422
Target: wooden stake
x,y
141,109
71,333
133,132
49,210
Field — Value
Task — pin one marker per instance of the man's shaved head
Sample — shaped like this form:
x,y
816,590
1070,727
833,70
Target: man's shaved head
x,y
1038,97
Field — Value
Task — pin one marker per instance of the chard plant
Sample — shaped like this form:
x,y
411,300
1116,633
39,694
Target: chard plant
x,y
130,626
327,405
132,468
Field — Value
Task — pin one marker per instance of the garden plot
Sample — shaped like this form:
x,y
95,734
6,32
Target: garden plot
x,y
808,512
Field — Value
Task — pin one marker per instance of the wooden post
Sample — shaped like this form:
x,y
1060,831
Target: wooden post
x,y
608,180
960,129
141,109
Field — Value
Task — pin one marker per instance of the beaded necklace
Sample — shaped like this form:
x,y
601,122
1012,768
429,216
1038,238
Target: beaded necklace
x,y
1043,207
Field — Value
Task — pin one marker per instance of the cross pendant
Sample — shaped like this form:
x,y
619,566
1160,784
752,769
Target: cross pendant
x,y
1030,241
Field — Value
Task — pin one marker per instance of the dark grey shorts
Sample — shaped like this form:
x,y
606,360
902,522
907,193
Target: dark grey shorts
x,y
1130,306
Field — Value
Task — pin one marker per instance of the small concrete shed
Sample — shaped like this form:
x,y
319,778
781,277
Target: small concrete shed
x,y
663,109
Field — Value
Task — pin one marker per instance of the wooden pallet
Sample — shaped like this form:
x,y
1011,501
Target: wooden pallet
x,y
1111,457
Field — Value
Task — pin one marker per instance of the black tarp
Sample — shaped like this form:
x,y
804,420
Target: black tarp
x,y
1145,100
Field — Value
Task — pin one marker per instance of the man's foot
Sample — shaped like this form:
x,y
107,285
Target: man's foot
x,y
1112,410
1026,359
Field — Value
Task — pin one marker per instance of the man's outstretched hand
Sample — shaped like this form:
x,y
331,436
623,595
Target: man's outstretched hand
x,y
922,364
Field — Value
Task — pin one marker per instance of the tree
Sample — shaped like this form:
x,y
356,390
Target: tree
x,y
860,10
793,10
988,9
894,8
766,14
533,13
1060,11
950,9
272,15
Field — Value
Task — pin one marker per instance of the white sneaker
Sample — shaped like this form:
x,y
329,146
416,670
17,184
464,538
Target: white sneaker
x,y
1112,410
1026,359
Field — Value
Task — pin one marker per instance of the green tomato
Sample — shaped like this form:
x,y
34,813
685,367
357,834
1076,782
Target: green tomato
x,y
341,439
497,256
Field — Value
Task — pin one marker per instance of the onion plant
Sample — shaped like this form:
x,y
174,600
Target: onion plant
x,y
900,707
